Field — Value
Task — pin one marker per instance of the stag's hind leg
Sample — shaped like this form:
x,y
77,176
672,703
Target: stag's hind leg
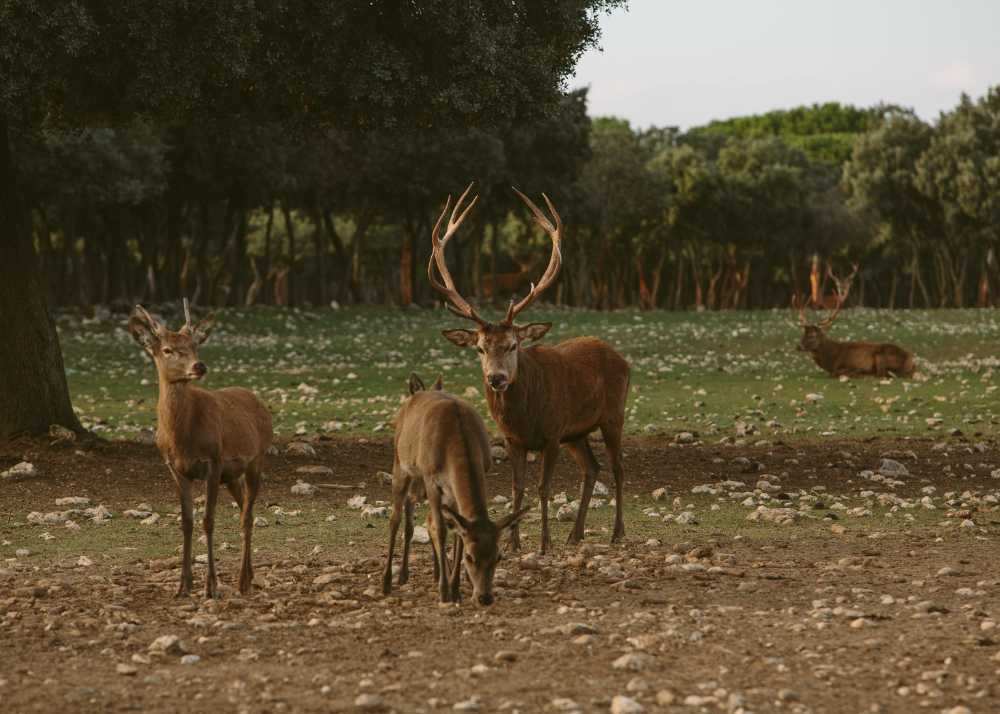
x,y
613,443
549,458
584,456
212,482
249,490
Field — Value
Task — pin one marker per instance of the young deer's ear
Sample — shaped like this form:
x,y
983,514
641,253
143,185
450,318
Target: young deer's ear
x,y
439,383
463,525
201,331
513,518
143,331
462,338
534,331
416,384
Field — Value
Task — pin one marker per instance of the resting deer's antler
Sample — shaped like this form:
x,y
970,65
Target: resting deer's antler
x,y
454,302
843,290
799,303
555,260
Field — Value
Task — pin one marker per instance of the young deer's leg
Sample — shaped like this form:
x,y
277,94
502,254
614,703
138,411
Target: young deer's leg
x,y
434,560
439,536
549,458
187,528
519,464
251,487
613,443
584,456
404,572
235,488
400,493
456,569
211,499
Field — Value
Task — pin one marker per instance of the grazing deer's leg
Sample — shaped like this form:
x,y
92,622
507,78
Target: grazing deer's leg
x,y
549,458
584,456
456,570
439,536
519,464
187,527
208,523
404,572
613,443
434,560
400,489
251,487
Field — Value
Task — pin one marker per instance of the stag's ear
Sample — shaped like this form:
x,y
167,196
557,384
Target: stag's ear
x,y
416,384
201,331
439,383
462,338
513,519
143,333
532,332
463,525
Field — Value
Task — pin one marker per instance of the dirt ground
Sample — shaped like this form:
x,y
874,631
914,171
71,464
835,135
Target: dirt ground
x,y
712,619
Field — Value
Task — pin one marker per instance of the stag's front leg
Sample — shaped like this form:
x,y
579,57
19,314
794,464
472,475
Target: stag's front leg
x,y
212,483
549,458
519,463
613,443
187,528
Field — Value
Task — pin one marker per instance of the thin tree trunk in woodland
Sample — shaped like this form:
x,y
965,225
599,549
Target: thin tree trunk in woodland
x,y
290,276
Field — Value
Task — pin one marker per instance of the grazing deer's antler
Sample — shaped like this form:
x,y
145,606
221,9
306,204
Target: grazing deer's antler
x,y
555,260
454,301
843,290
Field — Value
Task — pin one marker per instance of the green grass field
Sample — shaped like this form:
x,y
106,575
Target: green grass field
x,y
344,372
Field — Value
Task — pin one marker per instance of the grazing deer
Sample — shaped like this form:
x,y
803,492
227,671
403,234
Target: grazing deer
x,y
219,435
849,358
542,397
441,447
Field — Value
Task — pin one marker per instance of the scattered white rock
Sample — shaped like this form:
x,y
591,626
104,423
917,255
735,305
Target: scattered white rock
x,y
315,470
893,468
780,516
190,659
420,535
167,644
625,705
369,702
300,448
301,488
73,501
24,469
659,494
357,502
634,661
567,511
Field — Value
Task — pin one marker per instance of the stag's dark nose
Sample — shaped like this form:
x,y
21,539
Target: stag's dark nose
x,y
486,599
199,368
498,381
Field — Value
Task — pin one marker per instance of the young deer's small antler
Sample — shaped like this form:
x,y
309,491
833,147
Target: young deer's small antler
x,y
555,260
454,301
187,317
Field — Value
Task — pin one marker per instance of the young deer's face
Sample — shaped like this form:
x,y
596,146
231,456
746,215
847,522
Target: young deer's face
x,y
481,540
812,338
174,353
498,346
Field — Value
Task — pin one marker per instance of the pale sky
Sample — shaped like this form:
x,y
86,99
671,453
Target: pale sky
x,y
683,63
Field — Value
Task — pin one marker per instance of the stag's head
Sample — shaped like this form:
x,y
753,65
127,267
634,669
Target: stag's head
x,y
174,353
481,541
814,335
497,343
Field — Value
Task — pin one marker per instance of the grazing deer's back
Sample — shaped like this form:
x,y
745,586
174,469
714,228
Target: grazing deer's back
x,y
433,428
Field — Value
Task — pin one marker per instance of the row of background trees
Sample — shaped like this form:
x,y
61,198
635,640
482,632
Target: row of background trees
x,y
734,214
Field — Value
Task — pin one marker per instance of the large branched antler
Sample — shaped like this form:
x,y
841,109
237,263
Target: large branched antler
x,y
843,290
555,260
454,302
799,304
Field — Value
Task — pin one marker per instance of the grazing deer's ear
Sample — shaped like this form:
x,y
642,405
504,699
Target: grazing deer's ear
x,y
143,333
463,525
439,383
534,331
201,331
462,338
513,518
416,384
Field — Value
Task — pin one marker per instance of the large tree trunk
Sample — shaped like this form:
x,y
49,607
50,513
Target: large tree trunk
x,y
33,390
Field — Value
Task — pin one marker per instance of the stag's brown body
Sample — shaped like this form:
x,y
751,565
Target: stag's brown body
x,y
442,449
854,359
219,436
542,397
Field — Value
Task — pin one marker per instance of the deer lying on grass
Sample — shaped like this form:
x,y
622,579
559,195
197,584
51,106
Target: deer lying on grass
x,y
539,396
441,446
220,436
849,358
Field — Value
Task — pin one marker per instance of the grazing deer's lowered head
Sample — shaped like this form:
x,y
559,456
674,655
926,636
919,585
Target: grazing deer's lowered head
x,y
497,343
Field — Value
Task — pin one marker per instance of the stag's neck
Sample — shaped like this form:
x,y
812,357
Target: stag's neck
x,y
513,408
174,409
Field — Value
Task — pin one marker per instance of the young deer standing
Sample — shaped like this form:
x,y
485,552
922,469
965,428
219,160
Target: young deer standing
x,y
542,397
849,358
441,446
220,436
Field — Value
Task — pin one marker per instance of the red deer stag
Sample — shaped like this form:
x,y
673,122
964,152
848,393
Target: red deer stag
x,y
540,396
442,449
219,435
849,358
